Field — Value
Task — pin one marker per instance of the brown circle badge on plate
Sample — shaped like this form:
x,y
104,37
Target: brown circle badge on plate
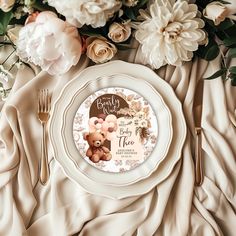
x,y
115,129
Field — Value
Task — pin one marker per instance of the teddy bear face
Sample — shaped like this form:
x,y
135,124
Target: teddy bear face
x,y
95,139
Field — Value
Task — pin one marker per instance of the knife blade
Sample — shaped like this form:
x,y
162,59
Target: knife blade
x,y
197,112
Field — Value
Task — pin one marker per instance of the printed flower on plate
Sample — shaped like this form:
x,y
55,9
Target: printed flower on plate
x,y
170,32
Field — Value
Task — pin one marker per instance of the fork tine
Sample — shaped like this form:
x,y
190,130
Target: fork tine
x,y
38,96
40,100
44,110
48,101
45,100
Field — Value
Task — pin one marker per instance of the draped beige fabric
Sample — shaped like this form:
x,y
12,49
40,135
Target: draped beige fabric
x,y
173,208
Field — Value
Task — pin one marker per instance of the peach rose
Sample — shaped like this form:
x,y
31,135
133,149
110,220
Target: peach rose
x,y
231,7
216,11
6,5
119,32
100,50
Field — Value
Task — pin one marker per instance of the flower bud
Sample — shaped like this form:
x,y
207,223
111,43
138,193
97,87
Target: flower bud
x,y
119,32
215,11
6,5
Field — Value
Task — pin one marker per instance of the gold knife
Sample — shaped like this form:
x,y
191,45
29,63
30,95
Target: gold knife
x,y
197,112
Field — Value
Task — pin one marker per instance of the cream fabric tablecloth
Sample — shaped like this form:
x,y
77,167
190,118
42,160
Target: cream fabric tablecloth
x,y
173,208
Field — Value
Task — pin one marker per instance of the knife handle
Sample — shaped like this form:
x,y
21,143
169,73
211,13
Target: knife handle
x,y
198,157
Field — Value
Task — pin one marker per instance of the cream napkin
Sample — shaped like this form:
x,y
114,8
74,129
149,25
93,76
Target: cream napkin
x,y
174,207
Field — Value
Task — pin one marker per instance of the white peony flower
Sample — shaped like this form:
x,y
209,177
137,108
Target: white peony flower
x,y
6,5
51,43
86,12
170,32
100,50
119,32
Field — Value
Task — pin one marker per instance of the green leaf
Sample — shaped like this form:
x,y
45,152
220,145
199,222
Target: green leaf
x,y
221,35
1,29
209,52
232,52
87,33
217,74
122,46
90,31
227,23
233,80
212,52
20,21
231,32
141,3
39,5
232,70
228,42
224,2
5,18
211,30
129,12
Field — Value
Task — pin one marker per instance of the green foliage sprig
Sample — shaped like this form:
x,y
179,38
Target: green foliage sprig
x,y
222,40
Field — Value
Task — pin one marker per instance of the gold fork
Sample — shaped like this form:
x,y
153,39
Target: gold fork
x,y
44,102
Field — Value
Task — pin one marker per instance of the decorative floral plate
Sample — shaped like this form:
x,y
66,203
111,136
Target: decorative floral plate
x,y
127,133
98,78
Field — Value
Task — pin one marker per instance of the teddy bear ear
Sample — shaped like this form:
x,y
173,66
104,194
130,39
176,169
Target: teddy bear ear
x,y
85,136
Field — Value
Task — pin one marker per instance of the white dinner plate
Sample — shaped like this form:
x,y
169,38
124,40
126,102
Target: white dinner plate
x,y
72,98
164,167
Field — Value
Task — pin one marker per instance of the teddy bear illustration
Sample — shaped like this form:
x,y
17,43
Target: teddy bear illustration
x,y
97,151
